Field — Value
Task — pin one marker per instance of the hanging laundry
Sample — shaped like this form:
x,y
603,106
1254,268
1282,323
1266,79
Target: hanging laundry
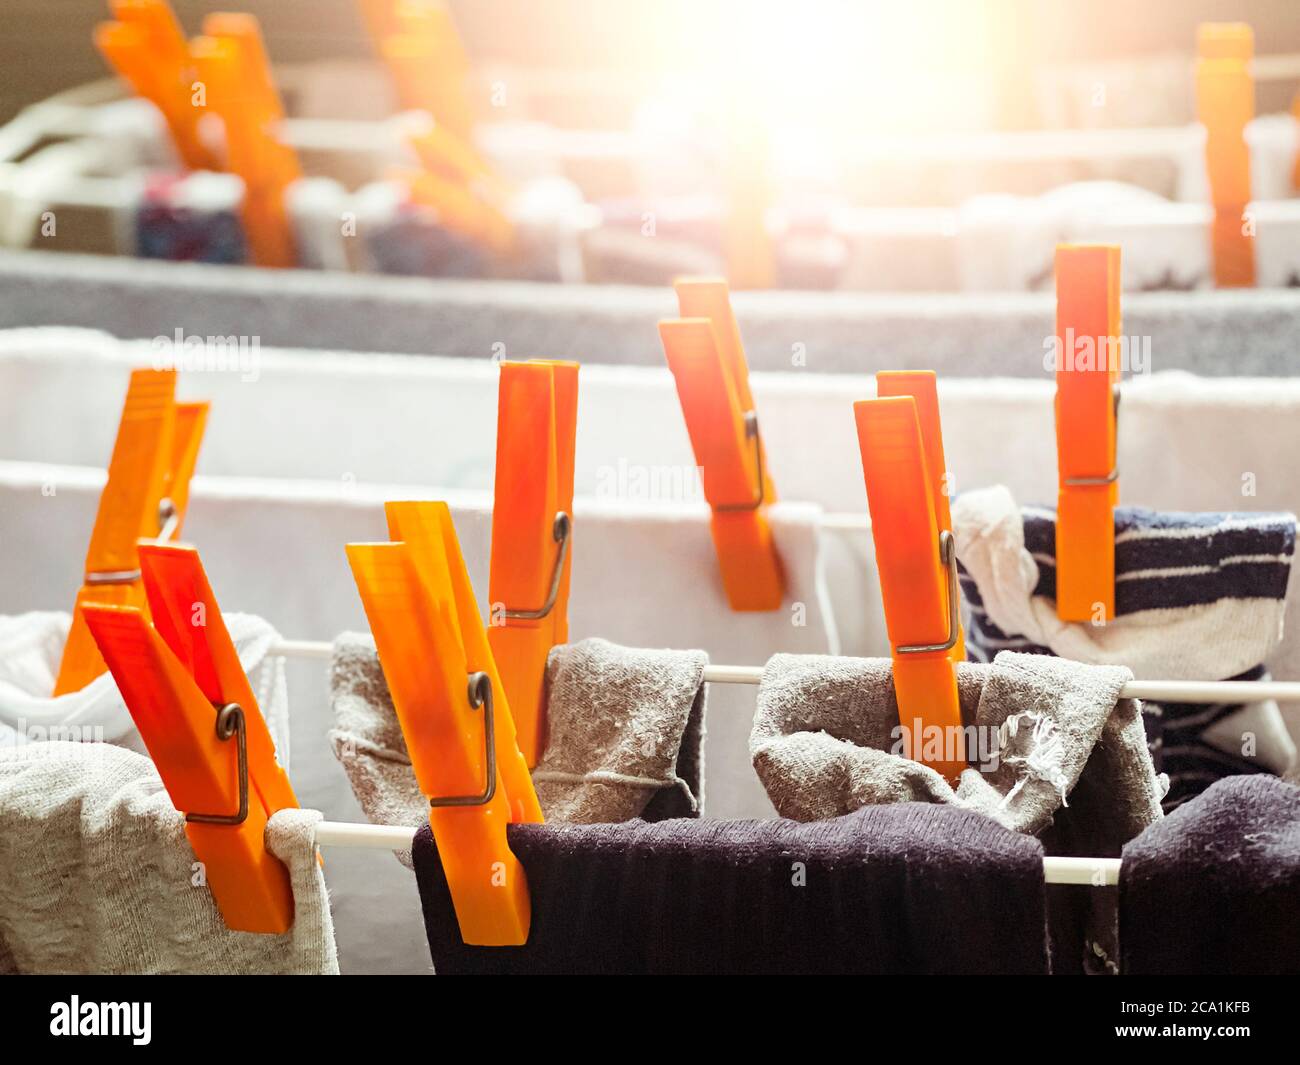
x,y
31,647
192,218
1197,597
902,889
625,733
1054,752
97,876
1215,887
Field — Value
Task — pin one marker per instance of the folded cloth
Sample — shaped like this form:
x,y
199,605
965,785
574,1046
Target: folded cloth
x,y
1054,752
903,889
1215,887
1197,597
97,876
31,647
625,730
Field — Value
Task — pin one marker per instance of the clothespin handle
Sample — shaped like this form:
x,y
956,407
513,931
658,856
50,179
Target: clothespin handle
x,y
1087,413
917,568
922,386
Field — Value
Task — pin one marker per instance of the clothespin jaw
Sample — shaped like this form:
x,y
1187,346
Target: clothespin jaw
x,y
187,693
922,386
448,718
147,48
232,63
145,496
918,574
707,363
532,524
1225,104
1087,420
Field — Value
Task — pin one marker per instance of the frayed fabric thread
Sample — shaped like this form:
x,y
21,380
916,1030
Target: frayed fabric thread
x,y
1043,761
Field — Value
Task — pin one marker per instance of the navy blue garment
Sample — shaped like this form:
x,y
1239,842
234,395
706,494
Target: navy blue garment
x,y
1214,888
1165,561
908,888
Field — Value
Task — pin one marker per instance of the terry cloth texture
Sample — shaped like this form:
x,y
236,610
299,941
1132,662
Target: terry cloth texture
x,y
625,730
904,889
1215,887
31,647
1054,753
97,875
1197,597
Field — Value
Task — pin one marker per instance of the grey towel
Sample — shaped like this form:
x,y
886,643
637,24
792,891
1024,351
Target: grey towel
x,y
1058,755
96,875
625,731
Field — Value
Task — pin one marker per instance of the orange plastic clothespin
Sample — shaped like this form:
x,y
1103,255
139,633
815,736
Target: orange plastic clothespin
x,y
922,386
1087,422
707,360
532,527
454,715
917,562
418,41
148,50
232,63
1225,103
146,495
189,697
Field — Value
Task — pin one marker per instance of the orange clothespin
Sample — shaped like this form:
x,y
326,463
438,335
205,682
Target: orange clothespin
x,y
148,50
189,697
232,64
418,41
917,562
707,359
454,715
532,526
1087,422
1225,103
922,386
146,495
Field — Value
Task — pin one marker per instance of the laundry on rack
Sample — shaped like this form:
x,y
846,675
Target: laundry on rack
x,y
31,646
1054,752
97,875
1197,597
910,888
625,734
1214,888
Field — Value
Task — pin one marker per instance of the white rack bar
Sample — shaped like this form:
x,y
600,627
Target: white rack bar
x,y
1094,872
1158,691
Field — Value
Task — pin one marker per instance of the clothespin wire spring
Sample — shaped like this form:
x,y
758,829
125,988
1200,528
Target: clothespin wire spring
x,y
948,556
560,531
230,722
480,694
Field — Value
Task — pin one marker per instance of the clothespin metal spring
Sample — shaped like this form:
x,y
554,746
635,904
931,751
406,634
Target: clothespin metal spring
x,y
230,722
560,531
1111,477
479,694
169,520
948,557
751,433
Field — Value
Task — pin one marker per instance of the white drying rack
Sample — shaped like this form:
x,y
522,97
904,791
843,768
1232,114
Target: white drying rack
x,y
1090,872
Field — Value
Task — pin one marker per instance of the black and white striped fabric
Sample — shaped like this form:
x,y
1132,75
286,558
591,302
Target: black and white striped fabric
x,y
1167,565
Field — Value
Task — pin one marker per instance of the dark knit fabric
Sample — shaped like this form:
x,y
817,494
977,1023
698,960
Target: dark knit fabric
x,y
1214,888
912,888
1174,562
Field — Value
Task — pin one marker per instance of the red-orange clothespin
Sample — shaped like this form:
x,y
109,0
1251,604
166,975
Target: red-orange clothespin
x,y
232,64
1087,422
148,50
922,386
532,526
146,495
707,359
189,697
418,41
1225,103
917,562
454,715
